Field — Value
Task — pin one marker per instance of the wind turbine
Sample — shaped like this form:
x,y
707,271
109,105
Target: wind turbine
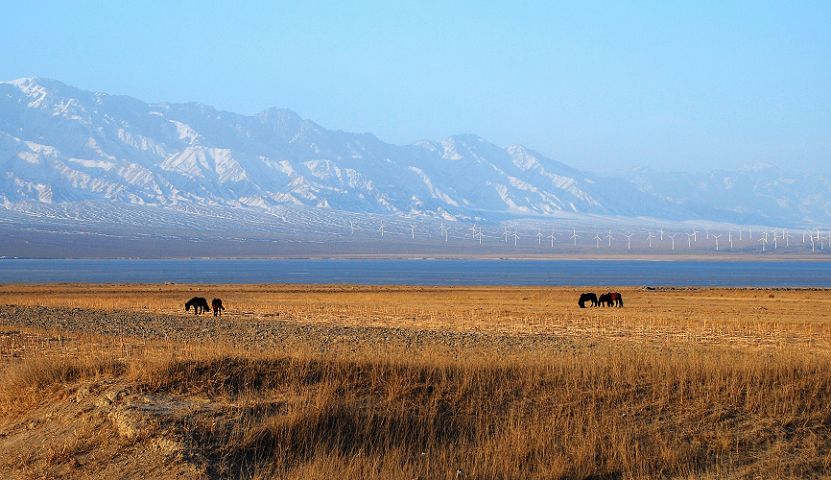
x,y
740,233
649,239
473,232
813,245
539,237
552,237
695,235
412,230
707,231
764,241
610,237
597,237
381,229
351,228
774,240
717,237
672,237
505,232
689,239
480,235
574,236
730,239
628,240
516,237
662,234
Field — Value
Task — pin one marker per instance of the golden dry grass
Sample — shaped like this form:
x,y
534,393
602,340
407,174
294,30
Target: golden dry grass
x,y
679,384
708,315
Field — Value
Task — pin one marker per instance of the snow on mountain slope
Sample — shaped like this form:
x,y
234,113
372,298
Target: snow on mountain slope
x,y
61,144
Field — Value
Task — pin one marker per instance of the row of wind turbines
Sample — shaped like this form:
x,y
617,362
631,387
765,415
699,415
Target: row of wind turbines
x,y
764,240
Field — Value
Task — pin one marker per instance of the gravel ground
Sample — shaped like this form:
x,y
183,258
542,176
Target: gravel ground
x,y
260,333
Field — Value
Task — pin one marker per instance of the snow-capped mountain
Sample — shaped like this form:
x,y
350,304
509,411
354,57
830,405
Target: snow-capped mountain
x,y
60,144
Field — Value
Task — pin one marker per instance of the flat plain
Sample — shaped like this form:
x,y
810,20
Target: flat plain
x,y
304,382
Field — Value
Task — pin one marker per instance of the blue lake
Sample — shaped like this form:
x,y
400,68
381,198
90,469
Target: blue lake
x,y
423,272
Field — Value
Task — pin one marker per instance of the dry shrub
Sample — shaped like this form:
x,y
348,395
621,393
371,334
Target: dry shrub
x,y
31,380
612,412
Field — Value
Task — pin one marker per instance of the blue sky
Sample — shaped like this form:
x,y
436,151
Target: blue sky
x,y
601,86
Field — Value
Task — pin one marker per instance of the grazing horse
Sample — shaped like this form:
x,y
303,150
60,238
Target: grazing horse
x,y
611,299
587,296
199,304
216,305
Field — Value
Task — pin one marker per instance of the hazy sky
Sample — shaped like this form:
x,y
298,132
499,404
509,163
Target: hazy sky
x,y
671,85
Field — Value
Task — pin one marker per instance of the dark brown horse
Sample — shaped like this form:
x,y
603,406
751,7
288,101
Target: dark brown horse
x,y
216,305
586,297
199,304
611,299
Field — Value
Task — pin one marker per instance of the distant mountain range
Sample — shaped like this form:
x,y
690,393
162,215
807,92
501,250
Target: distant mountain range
x,y
62,145
761,195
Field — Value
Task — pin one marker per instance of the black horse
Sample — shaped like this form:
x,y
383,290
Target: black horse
x,y
199,304
587,296
611,299
216,305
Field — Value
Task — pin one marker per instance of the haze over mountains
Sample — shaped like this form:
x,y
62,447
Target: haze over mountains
x,y
67,151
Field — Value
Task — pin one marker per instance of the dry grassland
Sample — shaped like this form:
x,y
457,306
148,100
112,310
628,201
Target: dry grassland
x,y
409,383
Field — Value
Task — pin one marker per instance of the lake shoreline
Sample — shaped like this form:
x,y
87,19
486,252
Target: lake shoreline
x,y
433,271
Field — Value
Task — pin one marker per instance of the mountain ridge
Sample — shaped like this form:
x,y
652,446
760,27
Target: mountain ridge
x,y
60,144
